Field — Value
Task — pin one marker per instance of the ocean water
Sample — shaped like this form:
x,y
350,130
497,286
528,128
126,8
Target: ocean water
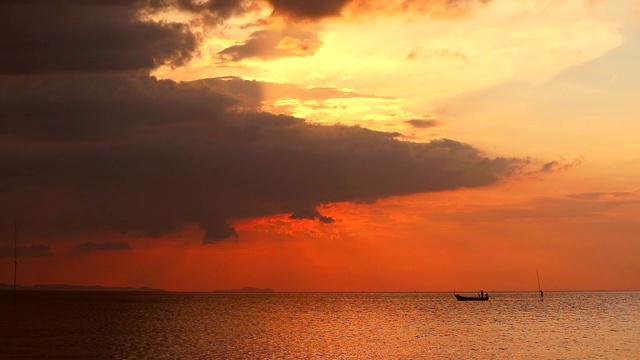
x,y
106,325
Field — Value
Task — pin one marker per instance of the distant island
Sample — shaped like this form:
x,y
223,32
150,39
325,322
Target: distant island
x,y
65,287
246,290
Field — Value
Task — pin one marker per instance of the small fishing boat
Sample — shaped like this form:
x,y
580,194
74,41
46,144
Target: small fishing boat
x,y
471,298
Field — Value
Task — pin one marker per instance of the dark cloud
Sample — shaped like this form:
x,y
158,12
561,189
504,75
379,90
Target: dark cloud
x,y
41,36
422,123
105,246
82,107
309,9
138,154
86,149
218,8
8,251
273,44
311,214
202,12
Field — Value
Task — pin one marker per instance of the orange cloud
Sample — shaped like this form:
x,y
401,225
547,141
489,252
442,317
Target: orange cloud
x,y
273,44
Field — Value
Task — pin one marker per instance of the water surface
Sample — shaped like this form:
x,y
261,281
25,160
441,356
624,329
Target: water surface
x,y
571,325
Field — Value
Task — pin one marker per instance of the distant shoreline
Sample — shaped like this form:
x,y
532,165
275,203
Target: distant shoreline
x,y
66,287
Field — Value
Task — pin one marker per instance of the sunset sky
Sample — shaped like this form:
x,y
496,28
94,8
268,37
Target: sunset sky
x,y
339,145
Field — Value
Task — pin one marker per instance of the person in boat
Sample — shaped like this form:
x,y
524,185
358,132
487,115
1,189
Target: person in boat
x,y
486,295
481,294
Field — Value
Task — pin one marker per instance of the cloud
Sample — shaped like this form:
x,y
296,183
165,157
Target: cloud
x,y
215,10
89,149
311,214
309,9
7,251
560,165
314,10
603,195
99,36
98,152
82,107
254,94
104,36
422,123
105,246
273,44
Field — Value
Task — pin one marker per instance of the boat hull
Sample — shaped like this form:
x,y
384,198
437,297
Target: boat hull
x,y
470,298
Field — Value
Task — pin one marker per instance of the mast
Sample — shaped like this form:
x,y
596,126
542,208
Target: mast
x,y
15,261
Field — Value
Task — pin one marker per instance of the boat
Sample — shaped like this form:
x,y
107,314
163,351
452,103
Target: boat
x,y
471,298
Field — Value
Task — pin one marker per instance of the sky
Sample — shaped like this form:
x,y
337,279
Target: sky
x,y
343,145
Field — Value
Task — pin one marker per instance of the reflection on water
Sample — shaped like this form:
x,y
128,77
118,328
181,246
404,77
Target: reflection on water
x,y
320,326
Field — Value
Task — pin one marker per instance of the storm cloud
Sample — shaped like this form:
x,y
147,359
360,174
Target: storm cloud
x,y
87,148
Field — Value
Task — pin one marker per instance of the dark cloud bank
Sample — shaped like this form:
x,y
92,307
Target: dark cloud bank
x,y
88,147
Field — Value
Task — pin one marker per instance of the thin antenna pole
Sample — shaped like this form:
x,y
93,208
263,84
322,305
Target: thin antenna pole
x,y
15,261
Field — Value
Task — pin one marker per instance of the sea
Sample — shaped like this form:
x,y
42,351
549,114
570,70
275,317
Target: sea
x,y
135,325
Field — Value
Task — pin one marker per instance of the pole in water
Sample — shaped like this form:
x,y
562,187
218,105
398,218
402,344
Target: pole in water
x,y
15,261
539,289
